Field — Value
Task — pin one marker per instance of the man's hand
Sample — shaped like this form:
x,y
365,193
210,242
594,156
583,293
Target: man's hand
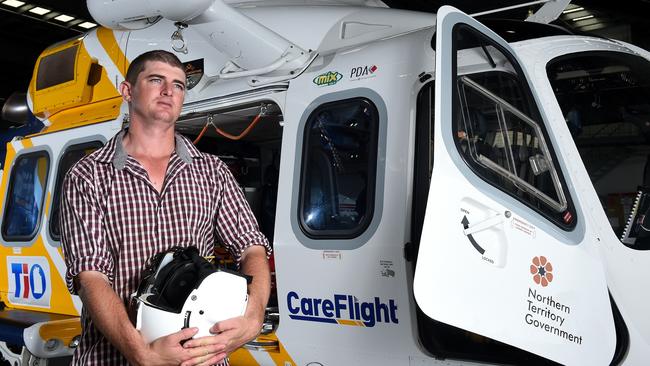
x,y
230,334
237,331
168,350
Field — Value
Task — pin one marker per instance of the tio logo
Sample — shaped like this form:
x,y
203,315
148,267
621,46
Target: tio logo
x,y
29,281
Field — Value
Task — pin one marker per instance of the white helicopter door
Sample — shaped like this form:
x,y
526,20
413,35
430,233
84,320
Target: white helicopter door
x,y
506,251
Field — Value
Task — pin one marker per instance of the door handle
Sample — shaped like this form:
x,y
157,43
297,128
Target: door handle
x,y
482,225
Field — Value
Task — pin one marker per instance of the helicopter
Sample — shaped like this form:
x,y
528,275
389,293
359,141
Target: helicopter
x,y
437,191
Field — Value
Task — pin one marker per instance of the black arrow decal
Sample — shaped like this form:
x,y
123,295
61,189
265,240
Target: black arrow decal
x,y
465,223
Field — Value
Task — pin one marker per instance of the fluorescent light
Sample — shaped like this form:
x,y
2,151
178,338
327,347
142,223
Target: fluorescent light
x,y
573,10
583,18
38,10
87,25
13,3
64,18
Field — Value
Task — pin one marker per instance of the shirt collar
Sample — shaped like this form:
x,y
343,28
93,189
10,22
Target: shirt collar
x,y
186,150
120,156
116,154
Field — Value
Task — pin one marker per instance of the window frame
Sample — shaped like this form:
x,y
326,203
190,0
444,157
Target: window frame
x,y
10,191
58,182
559,205
373,149
534,115
630,60
70,54
295,134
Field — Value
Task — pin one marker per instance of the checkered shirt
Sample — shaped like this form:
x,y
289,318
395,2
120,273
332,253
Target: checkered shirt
x,y
113,220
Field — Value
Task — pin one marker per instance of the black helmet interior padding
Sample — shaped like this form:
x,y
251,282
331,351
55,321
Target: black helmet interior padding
x,y
170,285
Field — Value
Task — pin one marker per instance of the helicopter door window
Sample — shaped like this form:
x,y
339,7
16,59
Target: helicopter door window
x,y
499,132
72,155
338,169
605,100
25,200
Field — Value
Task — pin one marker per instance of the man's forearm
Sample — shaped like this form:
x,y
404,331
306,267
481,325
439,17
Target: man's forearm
x,y
109,315
255,264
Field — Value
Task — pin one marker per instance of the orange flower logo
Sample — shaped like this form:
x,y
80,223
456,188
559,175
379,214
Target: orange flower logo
x,y
541,269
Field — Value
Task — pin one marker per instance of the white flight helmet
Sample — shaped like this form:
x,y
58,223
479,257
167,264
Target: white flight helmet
x,y
181,289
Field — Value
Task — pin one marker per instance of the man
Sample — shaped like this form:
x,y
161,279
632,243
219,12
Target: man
x,y
147,190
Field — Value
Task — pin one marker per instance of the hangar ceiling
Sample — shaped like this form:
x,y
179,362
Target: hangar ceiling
x,y
25,32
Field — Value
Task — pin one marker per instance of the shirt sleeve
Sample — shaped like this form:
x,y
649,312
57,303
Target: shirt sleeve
x,y
82,237
236,224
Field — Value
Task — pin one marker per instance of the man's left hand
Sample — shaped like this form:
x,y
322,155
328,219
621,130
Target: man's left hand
x,y
235,332
231,333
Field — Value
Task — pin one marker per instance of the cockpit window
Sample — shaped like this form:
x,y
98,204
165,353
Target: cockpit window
x,y
605,100
499,131
338,169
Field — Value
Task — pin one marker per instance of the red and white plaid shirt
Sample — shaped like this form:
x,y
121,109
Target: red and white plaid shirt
x,y
113,220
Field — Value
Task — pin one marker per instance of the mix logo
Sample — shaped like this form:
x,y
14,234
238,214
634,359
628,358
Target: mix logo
x,y
542,271
29,281
342,309
363,72
328,78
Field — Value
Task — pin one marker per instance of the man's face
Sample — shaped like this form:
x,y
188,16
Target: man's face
x,y
158,93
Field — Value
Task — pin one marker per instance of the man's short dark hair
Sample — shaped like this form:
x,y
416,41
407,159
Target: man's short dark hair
x,y
137,65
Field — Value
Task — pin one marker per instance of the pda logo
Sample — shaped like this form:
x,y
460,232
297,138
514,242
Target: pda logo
x,y
363,72
29,281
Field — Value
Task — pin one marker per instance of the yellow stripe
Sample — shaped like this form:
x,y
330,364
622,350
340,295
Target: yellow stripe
x,y
347,322
27,143
47,204
242,357
282,358
107,39
11,154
